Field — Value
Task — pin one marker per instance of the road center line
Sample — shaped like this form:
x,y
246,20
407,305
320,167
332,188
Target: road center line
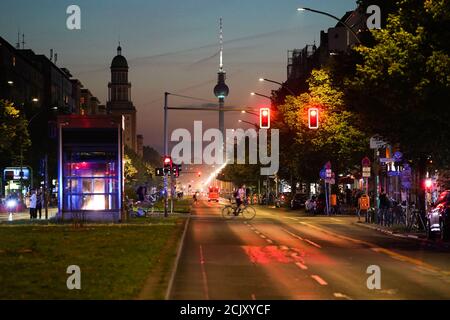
x,y
301,266
341,295
319,280
204,278
313,243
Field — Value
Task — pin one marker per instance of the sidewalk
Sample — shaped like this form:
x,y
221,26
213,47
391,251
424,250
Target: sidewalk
x,y
390,231
25,215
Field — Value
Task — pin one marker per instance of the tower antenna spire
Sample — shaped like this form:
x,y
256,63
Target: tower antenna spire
x,y
221,44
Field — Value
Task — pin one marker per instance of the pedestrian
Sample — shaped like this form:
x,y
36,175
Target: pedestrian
x,y
140,193
384,208
39,201
33,202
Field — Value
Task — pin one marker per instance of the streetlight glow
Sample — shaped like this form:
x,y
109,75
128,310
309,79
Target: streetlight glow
x,y
301,9
261,79
252,93
10,82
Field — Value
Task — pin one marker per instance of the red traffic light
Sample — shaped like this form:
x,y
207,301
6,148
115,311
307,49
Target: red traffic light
x,y
313,118
167,162
264,118
428,183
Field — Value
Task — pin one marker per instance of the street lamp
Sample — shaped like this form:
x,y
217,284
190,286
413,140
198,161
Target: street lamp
x,y
250,112
248,122
10,82
260,95
279,83
333,17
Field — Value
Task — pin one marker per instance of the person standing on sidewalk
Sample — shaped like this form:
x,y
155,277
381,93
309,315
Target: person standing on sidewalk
x,y
33,203
39,201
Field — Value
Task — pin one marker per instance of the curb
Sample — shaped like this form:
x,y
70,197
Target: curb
x,y
392,233
177,259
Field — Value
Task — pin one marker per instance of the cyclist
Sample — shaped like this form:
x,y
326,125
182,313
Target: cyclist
x,y
239,195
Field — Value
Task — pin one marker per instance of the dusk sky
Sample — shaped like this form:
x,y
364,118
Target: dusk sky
x,y
172,46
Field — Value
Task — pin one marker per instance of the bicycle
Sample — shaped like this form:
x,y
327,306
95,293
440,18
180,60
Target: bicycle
x,y
416,222
231,211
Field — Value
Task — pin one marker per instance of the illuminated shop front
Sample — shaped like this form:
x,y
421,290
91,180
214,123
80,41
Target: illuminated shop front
x,y
90,167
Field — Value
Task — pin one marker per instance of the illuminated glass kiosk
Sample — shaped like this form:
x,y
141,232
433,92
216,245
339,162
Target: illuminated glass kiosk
x,y
90,167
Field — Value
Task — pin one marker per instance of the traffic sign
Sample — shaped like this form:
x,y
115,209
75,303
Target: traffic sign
x,y
366,172
365,162
376,143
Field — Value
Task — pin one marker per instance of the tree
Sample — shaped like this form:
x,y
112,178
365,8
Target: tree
x,y
13,133
337,139
402,87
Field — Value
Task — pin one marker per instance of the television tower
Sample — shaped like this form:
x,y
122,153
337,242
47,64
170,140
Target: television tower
x,y
221,90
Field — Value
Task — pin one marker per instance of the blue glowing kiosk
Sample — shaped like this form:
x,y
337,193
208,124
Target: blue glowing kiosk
x,y
90,167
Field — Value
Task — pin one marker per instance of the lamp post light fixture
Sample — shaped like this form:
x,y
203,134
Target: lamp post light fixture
x,y
35,100
333,17
10,82
260,95
279,83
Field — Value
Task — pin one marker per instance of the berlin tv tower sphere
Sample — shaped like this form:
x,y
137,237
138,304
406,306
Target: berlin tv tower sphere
x,y
221,90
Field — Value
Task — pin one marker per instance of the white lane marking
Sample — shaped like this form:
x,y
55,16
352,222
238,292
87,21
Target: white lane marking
x,y
292,234
342,296
284,248
257,232
301,266
205,279
313,243
262,236
269,241
319,280
335,219
292,218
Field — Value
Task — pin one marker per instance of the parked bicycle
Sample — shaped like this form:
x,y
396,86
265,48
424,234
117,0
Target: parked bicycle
x,y
231,211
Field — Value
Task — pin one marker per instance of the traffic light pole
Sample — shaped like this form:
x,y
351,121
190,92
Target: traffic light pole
x,y
166,151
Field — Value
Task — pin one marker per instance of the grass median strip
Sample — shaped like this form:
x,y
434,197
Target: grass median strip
x,y
115,260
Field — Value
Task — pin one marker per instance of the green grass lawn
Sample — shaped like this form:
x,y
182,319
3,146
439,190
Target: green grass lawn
x,y
115,260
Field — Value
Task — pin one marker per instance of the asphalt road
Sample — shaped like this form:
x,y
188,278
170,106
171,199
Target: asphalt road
x,y
285,255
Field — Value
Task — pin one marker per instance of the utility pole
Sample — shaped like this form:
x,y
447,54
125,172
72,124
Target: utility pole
x,y
46,187
166,151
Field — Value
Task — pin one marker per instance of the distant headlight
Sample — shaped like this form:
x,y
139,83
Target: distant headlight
x,y
11,203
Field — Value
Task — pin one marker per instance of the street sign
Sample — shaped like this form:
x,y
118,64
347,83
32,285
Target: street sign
x,y
366,172
398,156
377,143
365,162
323,174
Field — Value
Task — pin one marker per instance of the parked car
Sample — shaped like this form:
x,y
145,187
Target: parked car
x,y
298,201
281,200
438,218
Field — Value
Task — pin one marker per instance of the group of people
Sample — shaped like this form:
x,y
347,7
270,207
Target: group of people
x,y
36,202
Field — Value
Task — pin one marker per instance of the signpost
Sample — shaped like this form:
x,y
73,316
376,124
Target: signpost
x,y
366,172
